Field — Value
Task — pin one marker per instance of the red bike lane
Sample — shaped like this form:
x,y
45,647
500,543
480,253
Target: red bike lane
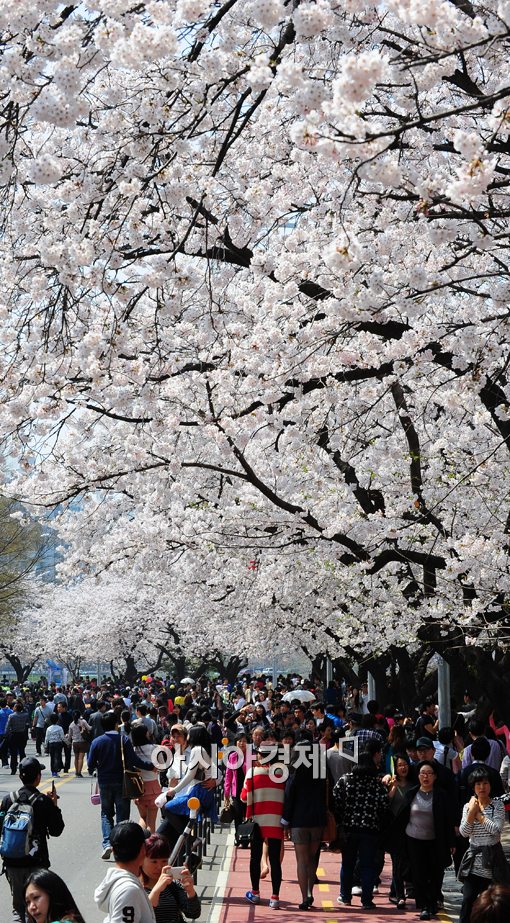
x,y
236,909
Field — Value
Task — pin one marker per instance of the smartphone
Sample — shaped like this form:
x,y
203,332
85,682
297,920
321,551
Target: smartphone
x,y
53,787
192,863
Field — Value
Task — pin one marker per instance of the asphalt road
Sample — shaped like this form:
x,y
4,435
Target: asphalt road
x,y
76,854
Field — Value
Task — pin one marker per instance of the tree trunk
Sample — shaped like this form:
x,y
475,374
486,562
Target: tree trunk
x,y
22,671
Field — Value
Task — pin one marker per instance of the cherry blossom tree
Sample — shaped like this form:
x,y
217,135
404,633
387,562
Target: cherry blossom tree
x,y
254,304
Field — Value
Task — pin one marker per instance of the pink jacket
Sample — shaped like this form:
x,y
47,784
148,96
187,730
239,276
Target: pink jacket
x,y
230,784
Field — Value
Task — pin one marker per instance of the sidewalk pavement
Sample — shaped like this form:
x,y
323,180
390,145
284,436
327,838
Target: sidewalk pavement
x,y
224,888
325,909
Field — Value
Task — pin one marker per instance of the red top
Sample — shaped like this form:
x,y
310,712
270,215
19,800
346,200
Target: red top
x,y
264,801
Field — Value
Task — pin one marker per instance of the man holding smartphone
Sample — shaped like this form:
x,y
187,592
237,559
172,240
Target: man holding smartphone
x,y
47,821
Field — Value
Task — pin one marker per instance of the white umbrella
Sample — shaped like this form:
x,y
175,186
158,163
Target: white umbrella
x,y
187,680
304,695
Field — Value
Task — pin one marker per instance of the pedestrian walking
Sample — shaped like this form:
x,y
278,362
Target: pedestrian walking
x,y
54,744
263,794
362,811
47,821
105,757
16,731
430,839
40,722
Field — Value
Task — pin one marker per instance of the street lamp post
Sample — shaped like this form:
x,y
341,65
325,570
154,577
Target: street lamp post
x,y
443,693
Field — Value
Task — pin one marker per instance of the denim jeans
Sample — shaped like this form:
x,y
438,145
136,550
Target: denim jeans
x,y
114,808
362,846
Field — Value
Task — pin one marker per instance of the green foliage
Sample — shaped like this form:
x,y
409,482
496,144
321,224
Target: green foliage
x,y
22,546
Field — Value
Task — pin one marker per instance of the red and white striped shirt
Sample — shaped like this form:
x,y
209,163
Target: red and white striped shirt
x,y
264,801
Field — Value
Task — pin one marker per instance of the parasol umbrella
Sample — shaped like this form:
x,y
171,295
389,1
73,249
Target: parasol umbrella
x,y
304,695
187,681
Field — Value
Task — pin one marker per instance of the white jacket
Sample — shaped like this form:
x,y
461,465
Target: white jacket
x,y
122,897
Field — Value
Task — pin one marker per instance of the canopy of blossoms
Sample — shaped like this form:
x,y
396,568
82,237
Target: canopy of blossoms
x,y
254,302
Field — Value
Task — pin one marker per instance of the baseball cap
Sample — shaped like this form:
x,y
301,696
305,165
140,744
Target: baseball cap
x,y
424,743
29,768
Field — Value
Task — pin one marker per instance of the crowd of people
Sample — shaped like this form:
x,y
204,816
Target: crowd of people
x,y
324,768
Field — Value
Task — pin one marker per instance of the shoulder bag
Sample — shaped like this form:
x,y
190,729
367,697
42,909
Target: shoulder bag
x,y
227,812
132,783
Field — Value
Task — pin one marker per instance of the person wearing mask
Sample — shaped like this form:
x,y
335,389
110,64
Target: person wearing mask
x,y
47,821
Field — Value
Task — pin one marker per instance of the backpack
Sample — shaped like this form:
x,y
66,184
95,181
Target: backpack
x,y
17,837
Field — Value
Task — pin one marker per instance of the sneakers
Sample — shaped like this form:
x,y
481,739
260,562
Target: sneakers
x,y
274,903
425,915
252,897
369,906
55,775
107,851
346,901
356,891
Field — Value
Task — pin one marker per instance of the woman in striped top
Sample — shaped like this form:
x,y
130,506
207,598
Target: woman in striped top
x,y
263,792
482,821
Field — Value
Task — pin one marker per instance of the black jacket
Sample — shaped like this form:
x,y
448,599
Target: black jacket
x,y
361,802
443,824
48,821
305,799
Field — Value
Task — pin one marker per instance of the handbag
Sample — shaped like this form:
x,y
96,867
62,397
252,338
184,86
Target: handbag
x,y
329,832
227,813
246,831
132,783
95,797
86,734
